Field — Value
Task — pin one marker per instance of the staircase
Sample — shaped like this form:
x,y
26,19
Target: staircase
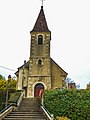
x,y
28,110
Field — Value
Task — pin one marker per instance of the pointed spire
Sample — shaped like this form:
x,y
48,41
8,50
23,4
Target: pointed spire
x,y
41,24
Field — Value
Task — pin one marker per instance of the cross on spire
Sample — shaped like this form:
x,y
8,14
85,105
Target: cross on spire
x,y
42,2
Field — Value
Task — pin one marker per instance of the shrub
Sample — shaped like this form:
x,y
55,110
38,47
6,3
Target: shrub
x,y
14,97
62,118
75,104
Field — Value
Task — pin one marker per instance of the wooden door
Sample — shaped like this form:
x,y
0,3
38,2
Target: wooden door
x,y
37,90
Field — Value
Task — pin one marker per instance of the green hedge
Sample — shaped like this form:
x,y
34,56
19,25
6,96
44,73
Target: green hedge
x,y
74,104
14,97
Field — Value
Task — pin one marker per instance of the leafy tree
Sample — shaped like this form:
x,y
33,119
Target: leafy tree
x,y
3,84
11,84
1,77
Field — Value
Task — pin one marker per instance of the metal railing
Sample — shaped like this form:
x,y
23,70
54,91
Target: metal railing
x,y
13,104
20,99
9,108
48,114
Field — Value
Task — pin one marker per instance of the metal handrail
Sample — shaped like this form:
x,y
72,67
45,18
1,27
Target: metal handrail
x,y
20,99
12,104
47,111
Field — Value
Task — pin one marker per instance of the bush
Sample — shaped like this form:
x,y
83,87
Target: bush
x,y
75,104
62,118
14,97
12,94
2,99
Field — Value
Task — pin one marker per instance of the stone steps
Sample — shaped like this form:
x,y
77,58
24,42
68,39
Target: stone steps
x,y
28,110
24,119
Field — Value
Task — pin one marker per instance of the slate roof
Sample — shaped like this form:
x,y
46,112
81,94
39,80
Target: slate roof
x,y
58,66
26,65
41,24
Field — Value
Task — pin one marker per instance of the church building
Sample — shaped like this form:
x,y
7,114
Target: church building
x,y
41,72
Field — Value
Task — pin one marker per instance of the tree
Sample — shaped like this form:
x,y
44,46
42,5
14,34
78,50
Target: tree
x,y
11,84
3,84
1,77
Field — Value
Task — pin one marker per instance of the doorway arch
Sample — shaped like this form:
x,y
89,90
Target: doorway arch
x,y
39,87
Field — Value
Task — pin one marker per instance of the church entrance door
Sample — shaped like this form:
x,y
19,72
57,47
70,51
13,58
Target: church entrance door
x,y
38,90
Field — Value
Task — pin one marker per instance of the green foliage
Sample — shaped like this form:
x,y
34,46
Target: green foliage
x,y
62,118
3,84
14,96
11,84
3,87
74,104
1,77
2,99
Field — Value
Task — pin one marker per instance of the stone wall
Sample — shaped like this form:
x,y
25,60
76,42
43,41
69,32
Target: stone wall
x,y
58,76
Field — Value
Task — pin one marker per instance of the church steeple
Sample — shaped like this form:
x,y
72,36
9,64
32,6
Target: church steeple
x,y
40,72
41,23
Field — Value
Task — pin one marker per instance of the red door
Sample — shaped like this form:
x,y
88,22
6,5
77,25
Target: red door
x,y
38,89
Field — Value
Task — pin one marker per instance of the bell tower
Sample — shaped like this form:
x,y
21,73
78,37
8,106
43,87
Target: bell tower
x,y
39,69
40,72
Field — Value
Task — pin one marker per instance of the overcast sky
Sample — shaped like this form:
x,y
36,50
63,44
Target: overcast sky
x,y
69,22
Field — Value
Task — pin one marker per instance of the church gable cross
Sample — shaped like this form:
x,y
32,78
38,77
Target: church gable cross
x,y
42,2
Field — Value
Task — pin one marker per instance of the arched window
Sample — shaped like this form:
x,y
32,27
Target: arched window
x,y
39,62
40,40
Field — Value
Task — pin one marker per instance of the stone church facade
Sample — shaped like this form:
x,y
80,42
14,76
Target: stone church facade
x,y
41,71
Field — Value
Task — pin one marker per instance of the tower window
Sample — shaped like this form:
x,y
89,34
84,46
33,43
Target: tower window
x,y
39,62
40,40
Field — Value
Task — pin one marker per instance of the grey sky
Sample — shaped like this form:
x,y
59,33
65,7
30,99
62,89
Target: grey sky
x,y
69,22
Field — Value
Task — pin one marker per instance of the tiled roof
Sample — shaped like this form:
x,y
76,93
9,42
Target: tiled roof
x,y
26,65
41,24
58,66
